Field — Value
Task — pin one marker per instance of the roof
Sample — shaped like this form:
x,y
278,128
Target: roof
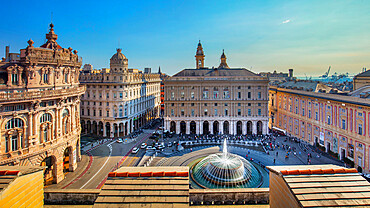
x,y
9,173
146,187
325,185
118,56
307,86
364,74
215,72
362,92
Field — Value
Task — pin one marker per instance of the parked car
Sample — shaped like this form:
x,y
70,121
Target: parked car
x,y
169,144
135,150
161,146
143,146
119,140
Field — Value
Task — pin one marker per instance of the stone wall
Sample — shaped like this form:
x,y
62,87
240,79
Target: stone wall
x,y
70,196
229,196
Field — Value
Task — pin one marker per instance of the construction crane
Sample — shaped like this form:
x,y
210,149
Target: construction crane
x,y
326,73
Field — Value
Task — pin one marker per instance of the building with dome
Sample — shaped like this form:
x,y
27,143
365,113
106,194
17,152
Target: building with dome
x,y
118,100
40,108
220,100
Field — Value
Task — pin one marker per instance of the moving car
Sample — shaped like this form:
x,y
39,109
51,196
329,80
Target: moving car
x,y
135,150
119,140
150,148
143,146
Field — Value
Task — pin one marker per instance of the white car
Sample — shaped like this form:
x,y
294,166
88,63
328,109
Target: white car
x,y
135,150
143,146
119,141
150,148
169,144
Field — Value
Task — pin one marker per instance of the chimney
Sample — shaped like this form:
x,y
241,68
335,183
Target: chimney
x,y
291,73
6,52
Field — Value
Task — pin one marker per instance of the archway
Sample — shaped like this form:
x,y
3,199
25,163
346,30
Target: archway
x,y
67,156
95,128
259,128
50,173
173,126
89,127
83,127
239,128
249,127
126,128
205,127
100,128
115,130
193,127
183,127
107,129
120,127
216,128
226,127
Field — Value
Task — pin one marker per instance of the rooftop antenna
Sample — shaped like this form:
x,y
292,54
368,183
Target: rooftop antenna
x,y
119,45
51,18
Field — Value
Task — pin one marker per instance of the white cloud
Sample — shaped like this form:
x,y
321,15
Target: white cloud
x,y
286,21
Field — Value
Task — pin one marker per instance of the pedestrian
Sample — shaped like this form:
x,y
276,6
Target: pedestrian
x,y
277,154
274,160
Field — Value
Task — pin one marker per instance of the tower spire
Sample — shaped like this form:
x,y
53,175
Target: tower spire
x,y
223,63
199,56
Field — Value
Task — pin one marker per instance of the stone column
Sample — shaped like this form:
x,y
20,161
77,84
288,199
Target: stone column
x,y
104,130
244,127
211,127
178,127
264,127
187,127
20,70
231,128
221,127
254,127
200,127
197,127
112,130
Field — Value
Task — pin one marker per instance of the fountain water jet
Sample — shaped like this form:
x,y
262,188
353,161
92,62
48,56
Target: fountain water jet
x,y
225,170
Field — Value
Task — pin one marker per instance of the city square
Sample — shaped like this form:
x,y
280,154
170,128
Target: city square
x,y
163,105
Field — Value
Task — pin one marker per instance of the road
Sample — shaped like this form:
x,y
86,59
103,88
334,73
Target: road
x,y
106,157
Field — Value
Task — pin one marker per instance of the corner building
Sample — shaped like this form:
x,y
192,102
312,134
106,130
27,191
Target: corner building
x,y
40,108
220,100
338,124
118,100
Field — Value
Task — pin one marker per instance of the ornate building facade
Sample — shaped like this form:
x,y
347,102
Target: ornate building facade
x,y
40,108
215,101
118,100
338,124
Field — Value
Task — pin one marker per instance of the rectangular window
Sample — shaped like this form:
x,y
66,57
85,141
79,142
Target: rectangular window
x,y
205,94
182,95
172,112
100,113
114,95
249,112
192,112
316,116
343,124
259,112
226,112
192,95
329,119
172,95
249,94
226,94
239,112
107,113
215,94
182,112
259,95
309,113
216,112
120,95
360,129
107,95
83,111
239,95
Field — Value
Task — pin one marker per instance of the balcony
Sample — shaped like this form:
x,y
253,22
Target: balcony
x,y
22,96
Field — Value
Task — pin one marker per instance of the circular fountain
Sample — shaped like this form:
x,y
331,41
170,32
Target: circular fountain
x,y
225,170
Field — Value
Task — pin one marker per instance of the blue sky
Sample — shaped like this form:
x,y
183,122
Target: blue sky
x,y
307,36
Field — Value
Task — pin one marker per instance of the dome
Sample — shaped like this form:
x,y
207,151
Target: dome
x,y
118,56
118,61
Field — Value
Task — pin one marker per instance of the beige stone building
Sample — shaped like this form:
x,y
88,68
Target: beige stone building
x,y
361,80
40,108
338,124
118,100
220,100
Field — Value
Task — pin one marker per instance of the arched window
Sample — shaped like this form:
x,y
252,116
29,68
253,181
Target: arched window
x,y
45,127
65,120
120,111
14,134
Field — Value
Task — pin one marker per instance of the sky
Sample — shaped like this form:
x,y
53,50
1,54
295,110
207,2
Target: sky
x,y
307,36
